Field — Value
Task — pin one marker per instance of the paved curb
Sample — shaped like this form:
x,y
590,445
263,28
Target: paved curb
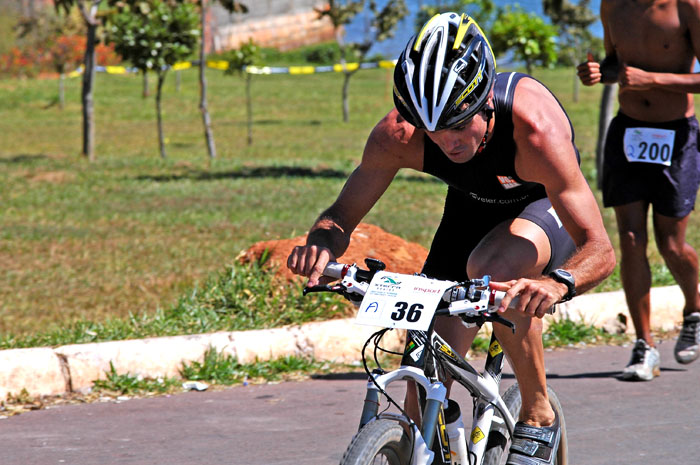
x,y
73,368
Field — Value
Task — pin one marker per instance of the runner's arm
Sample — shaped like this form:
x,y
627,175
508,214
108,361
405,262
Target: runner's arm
x,y
632,78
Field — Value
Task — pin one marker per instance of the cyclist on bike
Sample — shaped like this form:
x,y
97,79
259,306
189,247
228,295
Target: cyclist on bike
x,y
517,208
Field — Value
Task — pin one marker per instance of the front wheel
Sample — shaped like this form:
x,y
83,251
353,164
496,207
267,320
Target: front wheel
x,y
379,442
496,450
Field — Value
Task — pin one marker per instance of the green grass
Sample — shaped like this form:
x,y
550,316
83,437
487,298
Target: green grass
x,y
215,368
127,384
225,369
566,332
242,297
107,250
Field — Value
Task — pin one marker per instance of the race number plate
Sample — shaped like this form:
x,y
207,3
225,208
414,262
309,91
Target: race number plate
x,y
649,145
401,301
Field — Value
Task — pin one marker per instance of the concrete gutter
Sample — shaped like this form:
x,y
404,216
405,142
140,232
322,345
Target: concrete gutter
x,y
73,368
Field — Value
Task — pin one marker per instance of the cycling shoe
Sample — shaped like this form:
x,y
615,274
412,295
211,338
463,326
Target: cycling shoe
x,y
533,445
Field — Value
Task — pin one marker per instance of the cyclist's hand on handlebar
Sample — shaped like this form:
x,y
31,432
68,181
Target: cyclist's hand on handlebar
x,y
536,297
310,261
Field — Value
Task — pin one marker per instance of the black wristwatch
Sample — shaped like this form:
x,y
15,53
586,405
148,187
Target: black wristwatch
x,y
564,277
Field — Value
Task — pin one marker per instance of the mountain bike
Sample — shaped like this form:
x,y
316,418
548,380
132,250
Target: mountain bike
x,y
412,302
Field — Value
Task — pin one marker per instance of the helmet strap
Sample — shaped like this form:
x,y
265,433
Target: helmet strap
x,y
489,114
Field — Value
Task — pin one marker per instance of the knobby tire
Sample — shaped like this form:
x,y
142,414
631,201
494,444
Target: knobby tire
x,y
379,442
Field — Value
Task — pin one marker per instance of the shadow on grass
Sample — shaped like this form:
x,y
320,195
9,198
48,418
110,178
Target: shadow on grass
x,y
264,172
278,122
249,172
23,158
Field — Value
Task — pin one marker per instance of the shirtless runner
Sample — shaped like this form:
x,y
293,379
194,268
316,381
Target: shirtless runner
x,y
651,156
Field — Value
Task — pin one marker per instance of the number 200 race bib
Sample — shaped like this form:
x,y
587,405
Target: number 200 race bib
x,y
649,145
396,300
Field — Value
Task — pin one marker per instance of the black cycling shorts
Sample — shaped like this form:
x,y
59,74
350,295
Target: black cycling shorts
x,y
670,189
464,224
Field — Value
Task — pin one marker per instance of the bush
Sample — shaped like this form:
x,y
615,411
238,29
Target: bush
x,y
67,50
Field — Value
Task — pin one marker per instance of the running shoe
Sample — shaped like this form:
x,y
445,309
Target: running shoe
x,y
644,364
686,349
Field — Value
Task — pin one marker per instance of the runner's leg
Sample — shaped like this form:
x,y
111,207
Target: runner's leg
x,y
634,265
680,257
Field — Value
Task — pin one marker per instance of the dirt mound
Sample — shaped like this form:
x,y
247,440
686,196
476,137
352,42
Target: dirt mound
x,y
368,240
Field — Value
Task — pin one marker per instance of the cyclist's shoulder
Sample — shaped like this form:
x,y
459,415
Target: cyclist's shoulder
x,y
535,106
394,139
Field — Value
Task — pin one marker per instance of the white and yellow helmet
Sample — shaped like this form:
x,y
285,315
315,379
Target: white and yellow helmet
x,y
444,76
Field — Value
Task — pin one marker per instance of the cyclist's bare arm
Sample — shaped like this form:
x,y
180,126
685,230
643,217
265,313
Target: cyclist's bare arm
x,y
546,155
393,144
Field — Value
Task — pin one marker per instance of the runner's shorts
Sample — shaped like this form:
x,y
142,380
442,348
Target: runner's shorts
x,y
633,168
464,224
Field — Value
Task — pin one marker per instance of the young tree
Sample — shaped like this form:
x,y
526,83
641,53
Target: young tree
x,y
383,25
526,35
232,6
575,38
238,60
89,11
573,22
154,35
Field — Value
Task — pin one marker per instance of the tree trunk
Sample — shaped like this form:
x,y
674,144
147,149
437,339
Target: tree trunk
x,y
607,102
178,80
161,139
577,81
346,79
61,90
87,91
346,105
249,107
144,91
208,133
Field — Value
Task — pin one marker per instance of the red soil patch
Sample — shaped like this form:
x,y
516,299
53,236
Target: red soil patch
x,y
367,240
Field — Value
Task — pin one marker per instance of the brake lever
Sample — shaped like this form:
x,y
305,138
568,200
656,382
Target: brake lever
x,y
324,288
497,318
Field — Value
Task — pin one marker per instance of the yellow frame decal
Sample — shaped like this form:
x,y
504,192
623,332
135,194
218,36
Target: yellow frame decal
x,y
477,435
495,349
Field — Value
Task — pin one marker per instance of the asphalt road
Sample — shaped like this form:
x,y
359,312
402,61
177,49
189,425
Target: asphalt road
x,y
609,421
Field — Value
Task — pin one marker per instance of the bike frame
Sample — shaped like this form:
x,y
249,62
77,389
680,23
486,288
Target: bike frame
x,y
417,364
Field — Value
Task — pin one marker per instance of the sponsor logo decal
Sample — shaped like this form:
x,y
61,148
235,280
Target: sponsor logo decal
x,y
446,350
508,182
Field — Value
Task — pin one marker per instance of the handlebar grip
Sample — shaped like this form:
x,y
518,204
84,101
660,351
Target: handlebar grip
x,y
498,296
334,270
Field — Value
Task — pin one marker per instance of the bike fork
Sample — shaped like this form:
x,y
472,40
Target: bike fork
x,y
432,414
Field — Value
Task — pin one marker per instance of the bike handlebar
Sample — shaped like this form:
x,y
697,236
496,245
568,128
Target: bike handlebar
x,y
356,281
335,270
